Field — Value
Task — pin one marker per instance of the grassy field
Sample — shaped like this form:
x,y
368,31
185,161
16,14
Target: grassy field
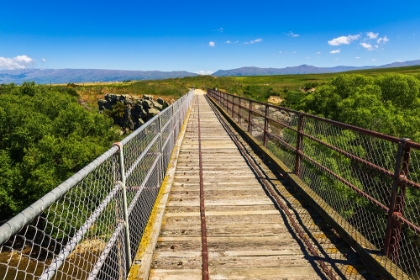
x,y
255,87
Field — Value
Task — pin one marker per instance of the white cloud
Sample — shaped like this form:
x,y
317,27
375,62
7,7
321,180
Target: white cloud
x,y
44,60
343,40
372,35
280,52
228,42
220,29
293,52
254,41
335,51
204,72
308,57
17,62
373,60
384,40
212,44
291,34
23,59
357,57
318,53
366,46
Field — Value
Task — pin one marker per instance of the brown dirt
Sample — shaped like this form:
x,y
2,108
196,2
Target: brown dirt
x,y
275,100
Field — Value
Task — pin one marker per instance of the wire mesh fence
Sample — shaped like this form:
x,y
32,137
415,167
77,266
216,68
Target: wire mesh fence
x,y
90,226
371,180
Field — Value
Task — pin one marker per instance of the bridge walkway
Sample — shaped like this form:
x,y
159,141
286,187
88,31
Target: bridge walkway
x,y
247,234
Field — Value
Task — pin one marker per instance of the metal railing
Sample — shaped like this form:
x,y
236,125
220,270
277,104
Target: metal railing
x,y
91,225
370,180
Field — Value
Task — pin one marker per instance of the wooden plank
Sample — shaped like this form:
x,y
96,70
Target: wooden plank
x,y
231,213
284,272
186,202
227,230
167,274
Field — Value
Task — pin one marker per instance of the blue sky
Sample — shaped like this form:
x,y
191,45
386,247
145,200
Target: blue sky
x,y
204,36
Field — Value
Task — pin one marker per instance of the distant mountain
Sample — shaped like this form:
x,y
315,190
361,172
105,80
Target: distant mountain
x,y
304,69
64,76
400,64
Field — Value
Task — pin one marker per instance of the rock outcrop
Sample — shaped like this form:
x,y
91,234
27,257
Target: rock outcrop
x,y
129,112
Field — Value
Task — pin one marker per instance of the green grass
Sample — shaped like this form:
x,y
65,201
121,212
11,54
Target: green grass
x,y
255,87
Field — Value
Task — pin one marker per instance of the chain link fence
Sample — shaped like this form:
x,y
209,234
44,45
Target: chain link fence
x,y
371,180
90,226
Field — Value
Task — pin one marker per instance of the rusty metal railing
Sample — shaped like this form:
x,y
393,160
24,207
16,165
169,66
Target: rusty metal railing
x,y
370,180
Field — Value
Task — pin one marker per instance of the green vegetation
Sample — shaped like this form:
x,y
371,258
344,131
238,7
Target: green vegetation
x,y
292,88
46,136
388,103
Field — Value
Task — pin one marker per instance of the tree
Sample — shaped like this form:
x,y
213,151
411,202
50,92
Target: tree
x,y
46,136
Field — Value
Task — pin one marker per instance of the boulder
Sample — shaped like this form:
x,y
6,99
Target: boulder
x,y
157,105
102,103
162,102
147,104
136,110
147,97
152,112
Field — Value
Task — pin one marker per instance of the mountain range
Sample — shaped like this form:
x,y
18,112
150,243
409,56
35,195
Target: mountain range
x,y
304,69
64,76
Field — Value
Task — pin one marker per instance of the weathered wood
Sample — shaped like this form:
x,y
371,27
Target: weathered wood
x,y
191,274
246,233
247,236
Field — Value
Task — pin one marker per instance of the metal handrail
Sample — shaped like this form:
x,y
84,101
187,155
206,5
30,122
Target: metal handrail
x,y
59,228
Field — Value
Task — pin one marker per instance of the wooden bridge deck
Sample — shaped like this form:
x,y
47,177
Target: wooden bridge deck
x,y
248,237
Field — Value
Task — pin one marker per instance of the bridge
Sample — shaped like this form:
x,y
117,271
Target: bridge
x,y
222,187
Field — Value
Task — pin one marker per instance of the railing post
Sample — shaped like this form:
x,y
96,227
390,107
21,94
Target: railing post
x,y
299,145
125,206
162,171
229,103
238,101
396,204
240,111
250,117
173,127
267,109
233,107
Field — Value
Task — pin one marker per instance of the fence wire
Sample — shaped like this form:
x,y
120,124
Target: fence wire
x,y
91,225
371,180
